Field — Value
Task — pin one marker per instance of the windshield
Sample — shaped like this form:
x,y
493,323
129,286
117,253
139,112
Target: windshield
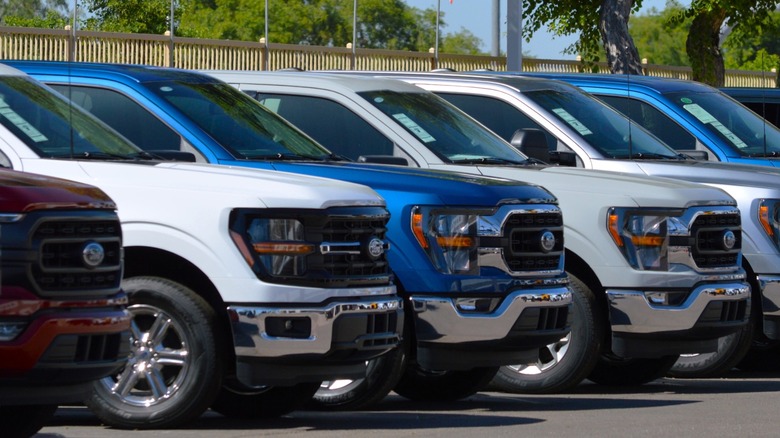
x,y
42,119
741,129
605,129
236,121
443,129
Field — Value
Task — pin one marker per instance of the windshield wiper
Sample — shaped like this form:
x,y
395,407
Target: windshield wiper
x,y
491,160
768,154
279,156
105,156
650,156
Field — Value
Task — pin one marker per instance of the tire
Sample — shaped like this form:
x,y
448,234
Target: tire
x,y
234,401
731,350
423,385
564,364
614,371
24,421
382,375
175,368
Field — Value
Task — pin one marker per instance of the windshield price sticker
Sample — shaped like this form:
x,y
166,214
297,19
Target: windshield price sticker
x,y
18,121
414,128
572,121
729,135
700,113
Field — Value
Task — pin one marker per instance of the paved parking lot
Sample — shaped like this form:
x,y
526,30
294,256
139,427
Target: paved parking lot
x,y
743,404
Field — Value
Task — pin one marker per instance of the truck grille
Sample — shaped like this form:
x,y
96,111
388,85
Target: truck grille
x,y
710,232
77,254
357,231
525,251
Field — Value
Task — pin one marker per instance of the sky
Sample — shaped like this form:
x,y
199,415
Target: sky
x,y
474,15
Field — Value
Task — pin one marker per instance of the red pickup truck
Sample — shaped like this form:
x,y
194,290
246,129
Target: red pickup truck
x,y
63,317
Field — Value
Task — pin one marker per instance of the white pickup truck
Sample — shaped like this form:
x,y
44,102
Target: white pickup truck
x,y
236,278
655,263
576,129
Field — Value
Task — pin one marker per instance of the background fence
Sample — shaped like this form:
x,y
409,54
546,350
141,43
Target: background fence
x,y
194,53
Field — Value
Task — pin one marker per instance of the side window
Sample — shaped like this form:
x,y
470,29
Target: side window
x,y
658,123
329,123
769,110
499,116
124,115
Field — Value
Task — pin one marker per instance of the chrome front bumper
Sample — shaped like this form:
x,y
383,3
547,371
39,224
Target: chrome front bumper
x,y
252,338
631,312
451,323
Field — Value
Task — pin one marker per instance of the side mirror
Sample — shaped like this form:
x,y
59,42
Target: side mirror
x,y
563,158
383,159
531,142
695,154
171,155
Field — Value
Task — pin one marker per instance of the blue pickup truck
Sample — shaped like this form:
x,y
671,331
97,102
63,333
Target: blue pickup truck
x,y
479,261
689,116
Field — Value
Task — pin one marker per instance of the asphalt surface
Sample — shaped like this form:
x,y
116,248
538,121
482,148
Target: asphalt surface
x,y
741,404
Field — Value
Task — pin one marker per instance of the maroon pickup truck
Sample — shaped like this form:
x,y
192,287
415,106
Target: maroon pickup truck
x,y
63,321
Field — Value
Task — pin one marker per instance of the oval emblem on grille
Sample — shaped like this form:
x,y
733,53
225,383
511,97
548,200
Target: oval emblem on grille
x,y
547,241
729,240
93,254
375,248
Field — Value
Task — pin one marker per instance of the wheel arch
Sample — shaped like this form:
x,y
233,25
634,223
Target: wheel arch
x,y
147,261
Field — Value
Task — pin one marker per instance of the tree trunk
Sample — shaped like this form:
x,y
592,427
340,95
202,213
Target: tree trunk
x,y
622,55
703,47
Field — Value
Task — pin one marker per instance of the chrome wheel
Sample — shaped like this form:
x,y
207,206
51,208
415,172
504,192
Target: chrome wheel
x,y
548,358
159,360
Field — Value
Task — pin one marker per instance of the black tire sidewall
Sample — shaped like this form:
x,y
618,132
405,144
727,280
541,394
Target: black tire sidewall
x,y
200,387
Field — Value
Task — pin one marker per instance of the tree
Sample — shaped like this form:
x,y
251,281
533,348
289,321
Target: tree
x,y
708,20
601,25
658,38
132,16
756,48
462,42
50,14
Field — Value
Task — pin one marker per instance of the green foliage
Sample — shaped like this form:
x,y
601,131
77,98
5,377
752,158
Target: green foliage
x,y
756,48
659,37
132,16
462,42
52,20
50,14
567,17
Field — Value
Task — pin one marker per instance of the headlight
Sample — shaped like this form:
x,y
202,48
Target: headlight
x,y
768,217
642,237
448,238
10,330
278,244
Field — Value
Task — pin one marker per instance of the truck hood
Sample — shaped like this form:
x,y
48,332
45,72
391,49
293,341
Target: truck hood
x,y
706,172
221,186
22,192
615,188
451,188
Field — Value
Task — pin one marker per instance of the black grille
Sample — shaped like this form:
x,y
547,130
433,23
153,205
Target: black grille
x,y
708,231
553,318
83,349
61,266
525,232
360,231
724,311
383,327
